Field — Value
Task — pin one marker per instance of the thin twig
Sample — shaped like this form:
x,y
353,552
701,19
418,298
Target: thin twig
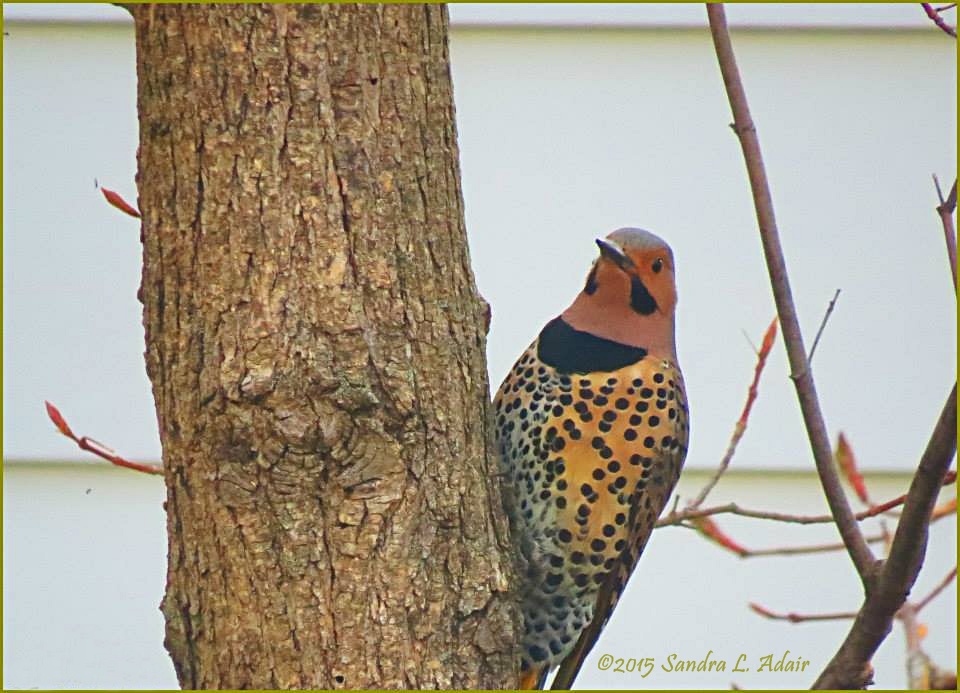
x,y
823,324
675,518
935,17
935,592
936,184
945,209
801,550
821,548
741,425
858,549
801,618
99,449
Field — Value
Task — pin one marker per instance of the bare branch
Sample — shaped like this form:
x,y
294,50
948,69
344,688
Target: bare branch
x,y
801,618
801,550
935,592
934,15
678,517
945,209
840,508
741,425
823,324
848,667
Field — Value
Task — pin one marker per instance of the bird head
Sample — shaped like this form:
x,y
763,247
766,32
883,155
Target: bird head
x,y
630,294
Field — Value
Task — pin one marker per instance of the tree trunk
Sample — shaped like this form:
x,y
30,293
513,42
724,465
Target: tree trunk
x,y
316,343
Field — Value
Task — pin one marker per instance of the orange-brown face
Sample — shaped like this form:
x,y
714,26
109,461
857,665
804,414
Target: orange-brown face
x,y
630,294
638,271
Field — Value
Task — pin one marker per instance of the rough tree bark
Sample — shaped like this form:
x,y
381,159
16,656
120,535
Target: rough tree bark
x,y
316,343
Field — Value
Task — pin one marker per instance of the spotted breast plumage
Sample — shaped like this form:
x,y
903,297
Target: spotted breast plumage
x,y
592,430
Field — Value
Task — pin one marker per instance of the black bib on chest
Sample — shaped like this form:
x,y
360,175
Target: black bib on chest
x,y
571,351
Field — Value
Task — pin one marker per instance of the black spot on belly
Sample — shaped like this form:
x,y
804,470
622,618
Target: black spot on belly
x,y
572,351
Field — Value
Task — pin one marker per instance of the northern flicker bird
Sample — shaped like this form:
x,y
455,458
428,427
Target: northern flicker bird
x,y
592,428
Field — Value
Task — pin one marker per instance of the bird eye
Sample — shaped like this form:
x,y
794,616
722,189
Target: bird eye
x,y
657,264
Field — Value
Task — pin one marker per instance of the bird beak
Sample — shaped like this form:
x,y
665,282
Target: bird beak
x,y
614,253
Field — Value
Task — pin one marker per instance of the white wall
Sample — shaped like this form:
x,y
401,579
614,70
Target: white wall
x,y
565,134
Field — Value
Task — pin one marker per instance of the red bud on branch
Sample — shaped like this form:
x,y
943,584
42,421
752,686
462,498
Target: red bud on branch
x,y
118,202
847,462
762,610
708,528
97,448
59,421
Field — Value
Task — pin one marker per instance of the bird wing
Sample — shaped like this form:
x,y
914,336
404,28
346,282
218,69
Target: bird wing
x,y
611,589
607,598
570,666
